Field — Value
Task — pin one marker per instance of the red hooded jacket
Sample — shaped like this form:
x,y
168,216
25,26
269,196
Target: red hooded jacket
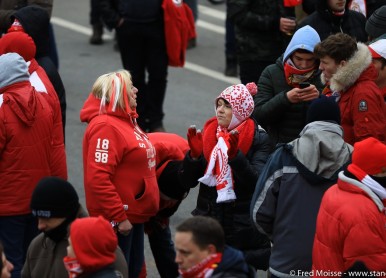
x,y
179,29
42,84
26,145
350,227
119,166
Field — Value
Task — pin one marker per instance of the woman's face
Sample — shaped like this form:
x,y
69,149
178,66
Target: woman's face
x,y
133,97
223,113
7,267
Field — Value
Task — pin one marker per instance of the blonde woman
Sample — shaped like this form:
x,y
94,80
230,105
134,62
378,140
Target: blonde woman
x,y
119,163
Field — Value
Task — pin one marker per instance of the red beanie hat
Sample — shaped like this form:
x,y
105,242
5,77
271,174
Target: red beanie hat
x,y
16,26
94,243
370,156
20,43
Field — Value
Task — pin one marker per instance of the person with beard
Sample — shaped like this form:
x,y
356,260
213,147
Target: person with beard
x,y
350,78
281,104
334,16
351,222
56,205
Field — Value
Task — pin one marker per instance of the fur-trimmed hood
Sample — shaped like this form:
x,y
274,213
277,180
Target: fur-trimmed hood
x,y
347,75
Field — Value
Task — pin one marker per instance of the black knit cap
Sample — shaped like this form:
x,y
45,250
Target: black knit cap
x,y
323,109
376,24
54,197
169,182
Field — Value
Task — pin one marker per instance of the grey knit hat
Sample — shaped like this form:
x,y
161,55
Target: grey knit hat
x,y
13,69
376,24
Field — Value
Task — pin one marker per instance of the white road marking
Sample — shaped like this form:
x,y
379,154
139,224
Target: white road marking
x,y
188,65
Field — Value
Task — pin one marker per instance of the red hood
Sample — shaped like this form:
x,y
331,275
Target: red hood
x,y
21,98
91,109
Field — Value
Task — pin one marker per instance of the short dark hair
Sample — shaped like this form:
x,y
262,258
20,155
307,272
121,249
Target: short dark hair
x,y
339,47
205,230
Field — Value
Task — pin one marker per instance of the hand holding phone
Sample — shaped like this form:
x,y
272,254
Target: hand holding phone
x,y
303,85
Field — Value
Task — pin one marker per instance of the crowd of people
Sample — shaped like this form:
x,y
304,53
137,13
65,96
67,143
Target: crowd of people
x,y
291,169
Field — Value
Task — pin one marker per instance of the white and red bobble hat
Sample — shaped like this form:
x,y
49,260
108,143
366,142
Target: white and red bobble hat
x,y
378,49
240,98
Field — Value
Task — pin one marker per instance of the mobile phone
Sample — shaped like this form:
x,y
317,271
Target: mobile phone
x,y
303,85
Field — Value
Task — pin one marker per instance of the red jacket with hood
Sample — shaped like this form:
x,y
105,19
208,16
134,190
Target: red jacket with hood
x,y
26,140
119,166
351,226
362,107
42,84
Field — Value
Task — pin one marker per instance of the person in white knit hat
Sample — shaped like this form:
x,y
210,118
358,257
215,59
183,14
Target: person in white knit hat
x,y
227,158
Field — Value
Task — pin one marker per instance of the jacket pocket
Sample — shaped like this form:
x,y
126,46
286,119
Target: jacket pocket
x,y
146,201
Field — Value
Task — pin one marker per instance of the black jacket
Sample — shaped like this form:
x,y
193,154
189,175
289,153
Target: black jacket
x,y
130,10
326,23
257,24
233,265
234,216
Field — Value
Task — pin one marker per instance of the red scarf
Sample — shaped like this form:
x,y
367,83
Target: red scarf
x,y
203,269
246,134
73,267
294,76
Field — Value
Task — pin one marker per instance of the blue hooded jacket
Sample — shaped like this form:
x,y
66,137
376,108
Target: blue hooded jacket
x,y
305,38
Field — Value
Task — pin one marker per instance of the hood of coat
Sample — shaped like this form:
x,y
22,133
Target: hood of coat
x,y
92,108
305,38
321,149
15,88
352,71
355,186
36,21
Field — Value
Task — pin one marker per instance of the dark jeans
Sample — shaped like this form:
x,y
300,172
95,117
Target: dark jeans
x,y
16,233
95,14
162,247
193,6
250,71
143,53
133,249
230,39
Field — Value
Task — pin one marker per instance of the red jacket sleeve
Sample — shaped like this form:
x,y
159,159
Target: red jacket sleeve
x,y
102,154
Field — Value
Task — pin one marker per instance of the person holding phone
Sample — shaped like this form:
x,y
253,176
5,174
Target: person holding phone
x,y
287,87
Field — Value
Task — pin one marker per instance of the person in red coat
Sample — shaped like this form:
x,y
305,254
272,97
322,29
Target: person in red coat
x,y
119,163
171,150
22,44
26,153
350,77
350,226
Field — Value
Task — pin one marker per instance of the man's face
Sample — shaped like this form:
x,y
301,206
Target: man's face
x,y
303,61
336,5
47,224
381,78
188,254
328,66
